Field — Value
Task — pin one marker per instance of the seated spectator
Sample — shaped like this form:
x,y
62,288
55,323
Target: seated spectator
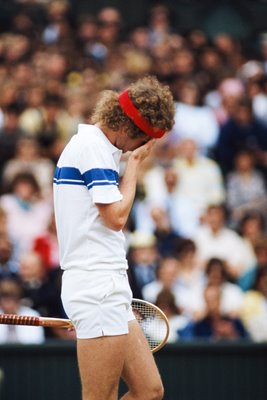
x,y
178,209
167,237
231,295
216,325
241,132
10,303
193,120
8,264
27,214
224,98
10,133
200,179
166,275
190,279
215,239
254,310
50,125
183,214
247,280
143,261
41,290
245,188
252,227
180,325
29,159
32,274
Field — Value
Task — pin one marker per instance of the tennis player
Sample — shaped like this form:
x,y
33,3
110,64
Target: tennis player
x,y
91,209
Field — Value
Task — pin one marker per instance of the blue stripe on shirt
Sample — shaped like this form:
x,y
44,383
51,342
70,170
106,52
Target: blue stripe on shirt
x,y
99,176
91,178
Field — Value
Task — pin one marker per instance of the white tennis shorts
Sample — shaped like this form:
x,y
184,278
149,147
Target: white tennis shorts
x,y
97,302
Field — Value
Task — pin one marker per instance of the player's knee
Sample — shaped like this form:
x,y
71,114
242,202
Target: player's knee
x,y
156,393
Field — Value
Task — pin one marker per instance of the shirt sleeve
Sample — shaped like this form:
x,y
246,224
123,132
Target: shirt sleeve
x,y
100,173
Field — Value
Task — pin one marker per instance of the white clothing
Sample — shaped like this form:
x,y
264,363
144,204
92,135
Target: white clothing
x,y
87,173
195,122
98,304
226,245
232,298
25,224
188,294
182,212
200,182
151,290
95,290
22,334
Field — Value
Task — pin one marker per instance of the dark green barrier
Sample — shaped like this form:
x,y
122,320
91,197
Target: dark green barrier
x,y
229,371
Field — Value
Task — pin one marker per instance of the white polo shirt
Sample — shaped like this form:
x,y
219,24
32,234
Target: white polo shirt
x,y
87,173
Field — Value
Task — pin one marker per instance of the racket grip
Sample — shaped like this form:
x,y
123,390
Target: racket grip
x,y
10,319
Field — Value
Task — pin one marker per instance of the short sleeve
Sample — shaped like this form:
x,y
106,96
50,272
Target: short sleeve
x,y
100,173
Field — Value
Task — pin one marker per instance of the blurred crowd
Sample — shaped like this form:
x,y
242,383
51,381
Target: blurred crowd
x,y
196,238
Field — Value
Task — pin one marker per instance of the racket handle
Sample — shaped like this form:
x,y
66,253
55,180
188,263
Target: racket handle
x,y
10,319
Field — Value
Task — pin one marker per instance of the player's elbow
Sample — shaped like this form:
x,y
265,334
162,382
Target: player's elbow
x,y
117,224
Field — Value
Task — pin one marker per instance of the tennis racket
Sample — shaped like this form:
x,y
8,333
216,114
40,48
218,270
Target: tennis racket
x,y
151,319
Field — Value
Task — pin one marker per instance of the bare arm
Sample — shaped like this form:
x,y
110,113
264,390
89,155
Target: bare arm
x,y
115,215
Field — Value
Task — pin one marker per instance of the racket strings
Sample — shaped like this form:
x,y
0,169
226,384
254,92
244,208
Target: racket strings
x,y
152,322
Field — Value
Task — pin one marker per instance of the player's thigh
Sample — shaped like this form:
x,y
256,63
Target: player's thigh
x,y
140,371
100,364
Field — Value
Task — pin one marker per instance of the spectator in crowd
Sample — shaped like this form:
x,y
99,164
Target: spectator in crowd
x,y
32,275
10,303
231,295
50,124
241,132
9,133
166,275
164,231
252,229
245,188
247,280
193,120
27,214
254,310
41,289
143,261
224,98
200,179
180,325
181,213
8,264
189,280
28,159
215,239
216,325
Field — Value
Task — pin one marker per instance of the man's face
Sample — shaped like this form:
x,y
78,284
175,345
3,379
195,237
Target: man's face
x,y
126,143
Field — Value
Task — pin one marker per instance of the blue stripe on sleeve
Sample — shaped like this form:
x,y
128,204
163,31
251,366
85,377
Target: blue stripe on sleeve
x,y
91,178
100,177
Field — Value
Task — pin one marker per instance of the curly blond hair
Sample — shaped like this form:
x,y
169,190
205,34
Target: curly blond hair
x,y
152,99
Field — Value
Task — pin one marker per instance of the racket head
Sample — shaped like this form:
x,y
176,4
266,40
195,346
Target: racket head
x,y
153,322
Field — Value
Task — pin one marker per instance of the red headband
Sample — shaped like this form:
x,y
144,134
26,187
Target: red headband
x,y
131,111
